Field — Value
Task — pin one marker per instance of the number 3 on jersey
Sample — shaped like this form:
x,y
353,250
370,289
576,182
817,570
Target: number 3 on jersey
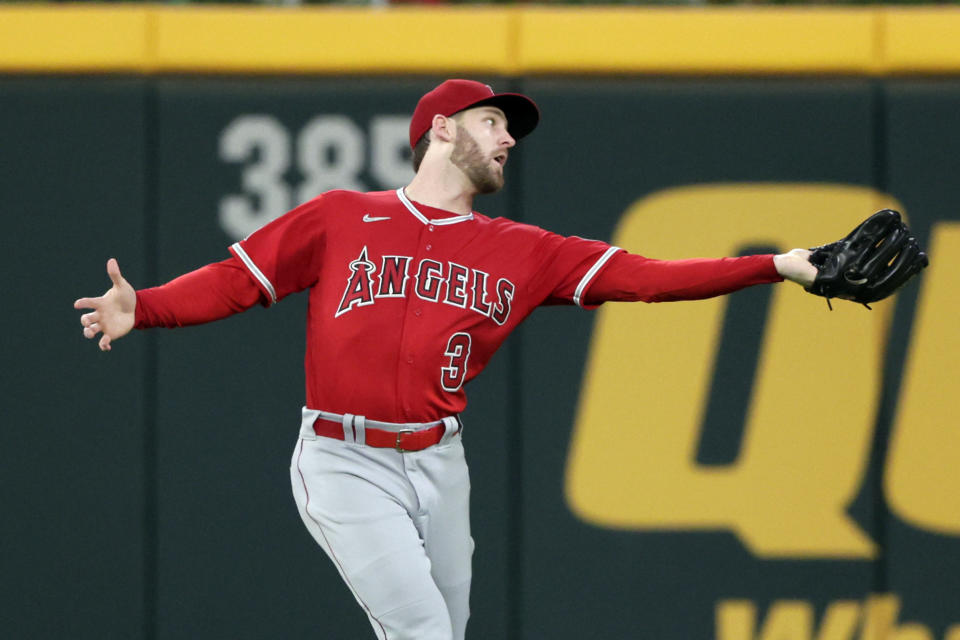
x,y
458,350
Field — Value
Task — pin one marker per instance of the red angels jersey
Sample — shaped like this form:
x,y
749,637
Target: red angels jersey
x,y
408,302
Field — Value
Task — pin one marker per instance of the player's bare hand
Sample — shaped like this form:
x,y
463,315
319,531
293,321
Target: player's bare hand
x,y
113,313
795,266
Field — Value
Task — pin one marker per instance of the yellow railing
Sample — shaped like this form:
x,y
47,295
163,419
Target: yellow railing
x,y
464,39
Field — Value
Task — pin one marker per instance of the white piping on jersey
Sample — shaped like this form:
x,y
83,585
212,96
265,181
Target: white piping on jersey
x,y
255,271
578,294
424,219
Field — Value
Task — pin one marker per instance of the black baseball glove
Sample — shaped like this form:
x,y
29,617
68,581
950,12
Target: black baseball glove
x,y
873,261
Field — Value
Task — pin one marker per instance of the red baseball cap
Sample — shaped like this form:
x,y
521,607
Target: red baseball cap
x,y
453,96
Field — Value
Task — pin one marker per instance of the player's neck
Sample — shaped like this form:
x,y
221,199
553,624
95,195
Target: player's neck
x,y
434,187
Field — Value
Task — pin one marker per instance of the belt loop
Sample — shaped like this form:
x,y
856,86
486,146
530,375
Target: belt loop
x,y
360,429
348,434
451,427
307,419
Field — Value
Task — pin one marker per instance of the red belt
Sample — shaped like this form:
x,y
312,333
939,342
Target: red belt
x,y
403,440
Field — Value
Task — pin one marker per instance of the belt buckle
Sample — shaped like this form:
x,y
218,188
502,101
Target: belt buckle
x,y
399,435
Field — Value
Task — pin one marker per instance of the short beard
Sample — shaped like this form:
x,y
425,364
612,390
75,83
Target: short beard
x,y
468,158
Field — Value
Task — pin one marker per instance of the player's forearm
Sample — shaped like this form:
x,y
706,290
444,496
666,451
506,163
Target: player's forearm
x,y
630,278
210,293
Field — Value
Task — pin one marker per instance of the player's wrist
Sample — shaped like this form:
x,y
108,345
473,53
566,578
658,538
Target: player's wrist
x,y
795,266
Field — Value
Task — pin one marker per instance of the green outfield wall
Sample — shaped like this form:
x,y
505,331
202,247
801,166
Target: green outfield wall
x,y
749,468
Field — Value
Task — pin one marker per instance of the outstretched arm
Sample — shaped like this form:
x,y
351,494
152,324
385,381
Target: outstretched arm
x,y
113,313
630,277
204,295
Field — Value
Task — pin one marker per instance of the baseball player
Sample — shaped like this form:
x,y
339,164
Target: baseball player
x,y
411,293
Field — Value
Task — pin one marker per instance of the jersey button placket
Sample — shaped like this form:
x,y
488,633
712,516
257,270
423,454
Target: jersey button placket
x,y
412,335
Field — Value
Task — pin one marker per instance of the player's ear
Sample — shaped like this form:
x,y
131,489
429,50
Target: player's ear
x,y
443,128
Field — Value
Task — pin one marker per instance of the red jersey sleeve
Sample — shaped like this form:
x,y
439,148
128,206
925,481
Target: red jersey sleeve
x,y
284,256
209,293
567,266
630,277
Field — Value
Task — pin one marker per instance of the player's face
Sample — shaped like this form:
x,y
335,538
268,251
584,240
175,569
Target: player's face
x,y
480,149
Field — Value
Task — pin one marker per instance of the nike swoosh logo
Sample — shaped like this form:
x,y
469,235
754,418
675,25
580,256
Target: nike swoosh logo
x,y
369,218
